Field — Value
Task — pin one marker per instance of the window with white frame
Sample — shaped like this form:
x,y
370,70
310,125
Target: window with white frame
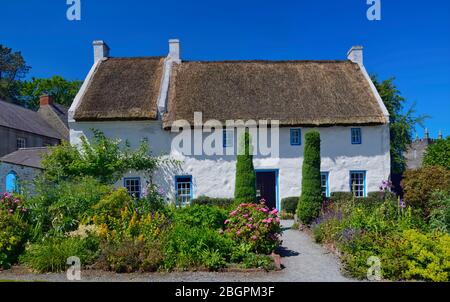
x,y
296,137
358,183
324,184
227,138
133,186
356,136
21,143
183,189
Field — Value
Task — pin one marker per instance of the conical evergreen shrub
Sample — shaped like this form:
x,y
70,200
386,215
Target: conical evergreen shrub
x,y
310,202
245,187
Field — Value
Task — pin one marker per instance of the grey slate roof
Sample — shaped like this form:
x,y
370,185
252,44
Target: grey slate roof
x,y
29,157
16,117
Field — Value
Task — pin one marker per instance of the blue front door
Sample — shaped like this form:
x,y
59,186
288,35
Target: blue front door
x,y
11,182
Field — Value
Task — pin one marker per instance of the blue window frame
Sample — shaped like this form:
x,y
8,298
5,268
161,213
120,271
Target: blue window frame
x,y
227,138
324,184
133,186
296,137
183,189
358,183
12,182
356,136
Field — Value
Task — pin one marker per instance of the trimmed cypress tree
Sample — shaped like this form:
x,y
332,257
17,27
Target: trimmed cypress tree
x,y
245,187
310,202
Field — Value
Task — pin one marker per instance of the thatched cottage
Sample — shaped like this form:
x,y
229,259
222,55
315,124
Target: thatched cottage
x,y
135,98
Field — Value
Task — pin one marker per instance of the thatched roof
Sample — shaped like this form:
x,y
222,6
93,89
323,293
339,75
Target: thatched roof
x,y
122,89
301,93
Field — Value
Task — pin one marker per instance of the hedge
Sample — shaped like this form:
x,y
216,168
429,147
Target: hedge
x,y
289,204
212,201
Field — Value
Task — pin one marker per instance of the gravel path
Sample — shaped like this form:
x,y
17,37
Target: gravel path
x,y
303,260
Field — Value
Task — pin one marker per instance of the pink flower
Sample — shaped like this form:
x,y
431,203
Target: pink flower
x,y
16,201
245,215
221,231
269,220
11,210
233,213
277,220
264,210
226,221
254,237
238,232
250,219
274,212
250,226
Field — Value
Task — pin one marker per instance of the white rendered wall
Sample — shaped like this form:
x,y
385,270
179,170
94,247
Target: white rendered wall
x,y
214,175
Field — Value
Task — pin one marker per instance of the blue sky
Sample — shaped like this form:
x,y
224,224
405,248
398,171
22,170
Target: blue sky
x,y
411,42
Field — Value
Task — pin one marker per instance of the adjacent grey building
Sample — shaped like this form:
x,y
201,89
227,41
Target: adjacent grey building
x,y
24,136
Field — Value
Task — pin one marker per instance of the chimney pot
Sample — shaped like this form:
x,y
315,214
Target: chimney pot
x,y
46,100
355,54
174,50
101,50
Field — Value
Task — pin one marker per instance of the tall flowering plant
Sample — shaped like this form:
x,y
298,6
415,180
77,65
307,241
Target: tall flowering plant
x,y
11,204
255,225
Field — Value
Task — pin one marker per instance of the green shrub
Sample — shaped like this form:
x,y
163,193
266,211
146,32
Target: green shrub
x,y
408,255
101,157
289,204
245,187
52,253
438,153
341,196
13,235
187,248
200,216
61,207
428,256
440,212
152,200
255,225
258,261
419,185
310,202
131,255
225,203
112,204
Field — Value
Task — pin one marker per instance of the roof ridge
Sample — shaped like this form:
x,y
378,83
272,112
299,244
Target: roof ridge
x,y
269,61
139,57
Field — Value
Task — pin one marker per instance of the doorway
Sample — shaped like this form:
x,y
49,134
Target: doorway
x,y
267,187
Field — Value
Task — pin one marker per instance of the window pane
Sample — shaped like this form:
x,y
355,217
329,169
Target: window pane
x,y
133,186
183,187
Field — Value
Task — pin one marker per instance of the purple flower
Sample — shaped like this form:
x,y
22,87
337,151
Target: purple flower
x,y
402,204
161,191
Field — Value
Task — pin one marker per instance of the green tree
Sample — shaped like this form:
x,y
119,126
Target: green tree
x,y
438,154
245,188
402,122
310,202
101,158
62,90
13,68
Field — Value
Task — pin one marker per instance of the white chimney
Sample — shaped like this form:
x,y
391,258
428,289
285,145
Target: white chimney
x,y
174,50
355,54
101,50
